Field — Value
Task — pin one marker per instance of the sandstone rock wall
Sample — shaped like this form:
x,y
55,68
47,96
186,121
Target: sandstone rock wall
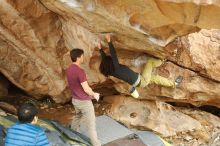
x,y
36,37
179,125
30,41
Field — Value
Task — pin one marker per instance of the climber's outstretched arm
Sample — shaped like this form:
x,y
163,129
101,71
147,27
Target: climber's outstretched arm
x,y
112,51
101,51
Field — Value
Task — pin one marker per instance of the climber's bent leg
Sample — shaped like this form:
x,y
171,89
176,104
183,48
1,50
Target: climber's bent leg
x,y
145,78
146,73
155,62
148,67
159,80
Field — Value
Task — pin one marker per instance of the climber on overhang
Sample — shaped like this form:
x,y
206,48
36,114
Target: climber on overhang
x,y
110,66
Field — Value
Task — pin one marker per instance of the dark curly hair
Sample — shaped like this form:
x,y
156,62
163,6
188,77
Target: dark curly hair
x,y
27,112
106,66
75,53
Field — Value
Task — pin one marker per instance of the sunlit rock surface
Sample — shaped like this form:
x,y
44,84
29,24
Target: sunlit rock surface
x,y
198,52
158,116
30,39
180,125
37,35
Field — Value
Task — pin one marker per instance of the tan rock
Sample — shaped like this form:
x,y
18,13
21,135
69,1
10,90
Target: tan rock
x,y
38,35
215,140
199,52
157,116
206,136
181,126
194,88
31,40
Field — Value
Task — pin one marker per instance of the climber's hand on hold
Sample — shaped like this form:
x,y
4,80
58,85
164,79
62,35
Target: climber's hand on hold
x,y
99,45
108,37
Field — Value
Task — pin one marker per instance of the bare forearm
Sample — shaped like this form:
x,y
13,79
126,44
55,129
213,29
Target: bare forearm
x,y
89,91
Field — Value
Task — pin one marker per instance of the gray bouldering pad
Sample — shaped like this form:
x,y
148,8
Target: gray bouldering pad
x,y
73,135
108,130
149,138
54,139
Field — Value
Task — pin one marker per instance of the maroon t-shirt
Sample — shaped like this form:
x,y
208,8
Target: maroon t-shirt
x,y
76,76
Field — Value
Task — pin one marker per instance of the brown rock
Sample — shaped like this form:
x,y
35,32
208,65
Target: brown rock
x,y
36,37
157,116
2,113
198,52
4,84
8,108
194,88
30,33
182,126
206,135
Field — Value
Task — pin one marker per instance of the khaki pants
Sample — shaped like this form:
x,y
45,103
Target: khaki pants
x,y
147,76
85,113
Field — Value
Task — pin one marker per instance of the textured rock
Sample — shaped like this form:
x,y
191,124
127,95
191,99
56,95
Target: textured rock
x,y
193,89
36,36
182,126
158,116
29,36
8,108
198,52
215,140
205,136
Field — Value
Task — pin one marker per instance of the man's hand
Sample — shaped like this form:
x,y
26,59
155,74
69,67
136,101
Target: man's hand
x,y
89,91
96,96
108,38
99,45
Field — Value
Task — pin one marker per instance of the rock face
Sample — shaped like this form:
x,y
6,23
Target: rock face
x,y
168,121
30,39
37,35
158,116
198,52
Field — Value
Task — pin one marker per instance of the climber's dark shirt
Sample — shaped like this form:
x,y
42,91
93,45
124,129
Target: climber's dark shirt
x,y
120,71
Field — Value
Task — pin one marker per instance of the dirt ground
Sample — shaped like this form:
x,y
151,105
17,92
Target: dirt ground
x,y
62,113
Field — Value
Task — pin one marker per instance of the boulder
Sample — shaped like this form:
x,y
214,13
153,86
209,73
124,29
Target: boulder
x,y
181,126
37,35
157,116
